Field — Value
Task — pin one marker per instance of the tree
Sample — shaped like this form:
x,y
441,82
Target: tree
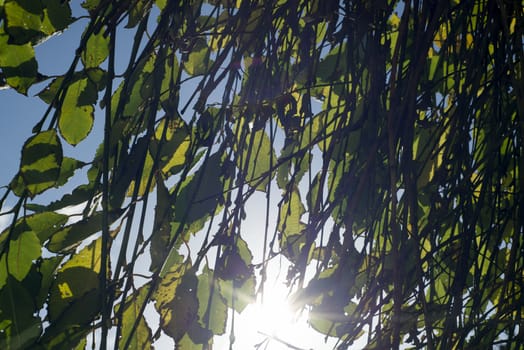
x,y
386,136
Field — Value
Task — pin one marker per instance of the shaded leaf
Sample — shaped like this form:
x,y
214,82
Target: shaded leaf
x,y
136,13
57,16
19,327
47,268
200,194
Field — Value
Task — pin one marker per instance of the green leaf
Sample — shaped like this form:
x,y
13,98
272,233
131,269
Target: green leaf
x,y
18,64
67,169
198,60
42,224
166,289
77,283
141,337
161,234
174,145
90,4
238,296
78,196
96,51
47,269
23,20
186,343
291,212
161,4
212,309
45,224
258,156
333,64
147,170
183,309
41,161
57,16
236,278
70,236
3,270
74,301
200,194
137,94
234,263
77,113
48,94
19,325
22,251
137,12
89,257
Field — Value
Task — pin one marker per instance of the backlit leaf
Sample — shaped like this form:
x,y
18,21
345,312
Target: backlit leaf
x,y
96,51
74,298
18,64
198,59
22,251
290,215
212,309
76,284
23,19
183,309
140,339
165,291
3,270
77,113
174,143
258,157
89,257
69,236
41,161
67,169
238,296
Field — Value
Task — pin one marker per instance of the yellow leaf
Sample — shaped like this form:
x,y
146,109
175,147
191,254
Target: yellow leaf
x,y
65,291
441,35
512,25
394,20
469,41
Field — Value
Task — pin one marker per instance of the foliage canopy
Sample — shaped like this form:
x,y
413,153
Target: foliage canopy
x,y
385,137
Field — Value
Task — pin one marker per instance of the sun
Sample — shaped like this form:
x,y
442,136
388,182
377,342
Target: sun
x,y
271,322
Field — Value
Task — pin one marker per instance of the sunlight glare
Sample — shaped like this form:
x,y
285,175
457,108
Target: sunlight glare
x,y
271,324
